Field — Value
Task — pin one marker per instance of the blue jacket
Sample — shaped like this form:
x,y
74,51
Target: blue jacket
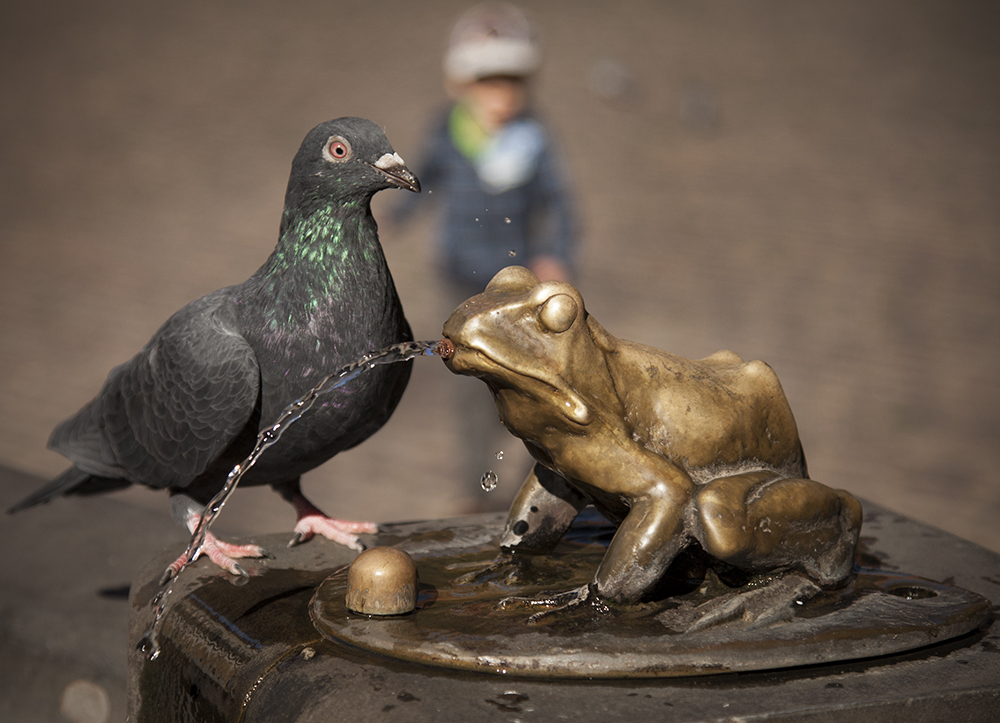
x,y
482,223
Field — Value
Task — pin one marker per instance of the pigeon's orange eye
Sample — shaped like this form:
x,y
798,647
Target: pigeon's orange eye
x,y
337,149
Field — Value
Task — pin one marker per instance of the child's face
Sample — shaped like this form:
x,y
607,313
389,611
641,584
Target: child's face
x,y
495,102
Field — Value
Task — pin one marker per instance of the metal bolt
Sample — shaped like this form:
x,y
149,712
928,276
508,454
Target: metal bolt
x,y
382,581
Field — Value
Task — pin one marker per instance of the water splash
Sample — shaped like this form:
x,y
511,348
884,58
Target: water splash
x,y
147,645
489,481
292,413
404,351
500,454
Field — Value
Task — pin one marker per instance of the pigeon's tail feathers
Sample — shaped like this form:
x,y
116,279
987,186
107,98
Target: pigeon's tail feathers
x,y
79,438
73,481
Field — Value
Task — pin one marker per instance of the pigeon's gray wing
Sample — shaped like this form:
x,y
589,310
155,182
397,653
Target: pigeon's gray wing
x,y
165,415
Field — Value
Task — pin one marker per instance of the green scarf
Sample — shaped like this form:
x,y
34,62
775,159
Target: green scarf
x,y
467,135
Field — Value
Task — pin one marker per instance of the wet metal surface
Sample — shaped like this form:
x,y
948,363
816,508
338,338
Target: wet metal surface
x,y
460,623
251,653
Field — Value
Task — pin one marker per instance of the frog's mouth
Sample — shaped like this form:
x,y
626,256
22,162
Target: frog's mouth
x,y
546,388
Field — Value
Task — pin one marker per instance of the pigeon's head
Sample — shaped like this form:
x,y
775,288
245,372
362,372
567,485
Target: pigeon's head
x,y
344,159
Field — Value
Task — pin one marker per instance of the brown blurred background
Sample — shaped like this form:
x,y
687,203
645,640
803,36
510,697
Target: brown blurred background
x,y
813,184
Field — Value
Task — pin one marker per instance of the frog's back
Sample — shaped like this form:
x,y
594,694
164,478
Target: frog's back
x,y
713,416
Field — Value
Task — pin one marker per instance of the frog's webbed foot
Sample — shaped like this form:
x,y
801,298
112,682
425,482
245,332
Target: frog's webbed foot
x,y
504,571
758,607
556,602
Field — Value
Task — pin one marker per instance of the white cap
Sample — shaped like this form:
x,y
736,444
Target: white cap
x,y
491,39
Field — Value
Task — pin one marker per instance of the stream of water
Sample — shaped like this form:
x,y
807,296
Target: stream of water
x,y
404,351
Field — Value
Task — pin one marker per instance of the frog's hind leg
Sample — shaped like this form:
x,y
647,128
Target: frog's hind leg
x,y
758,522
755,608
835,566
723,524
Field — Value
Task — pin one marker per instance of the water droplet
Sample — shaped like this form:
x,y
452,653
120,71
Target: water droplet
x,y
489,481
148,647
512,253
477,220
500,454
506,219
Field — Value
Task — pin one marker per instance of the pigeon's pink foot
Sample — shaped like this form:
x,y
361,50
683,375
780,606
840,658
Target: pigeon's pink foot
x,y
312,521
343,531
223,554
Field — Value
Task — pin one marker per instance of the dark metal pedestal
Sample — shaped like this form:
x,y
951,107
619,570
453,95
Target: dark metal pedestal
x,y
252,653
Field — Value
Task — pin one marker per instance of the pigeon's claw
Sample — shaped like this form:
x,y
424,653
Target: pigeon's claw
x,y
170,573
223,554
312,521
344,532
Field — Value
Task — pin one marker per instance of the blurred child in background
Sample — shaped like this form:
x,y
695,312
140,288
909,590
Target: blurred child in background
x,y
491,166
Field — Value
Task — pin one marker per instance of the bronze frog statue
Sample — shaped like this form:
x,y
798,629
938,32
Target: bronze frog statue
x,y
671,450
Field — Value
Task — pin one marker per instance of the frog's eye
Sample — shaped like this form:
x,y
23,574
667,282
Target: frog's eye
x,y
558,313
337,149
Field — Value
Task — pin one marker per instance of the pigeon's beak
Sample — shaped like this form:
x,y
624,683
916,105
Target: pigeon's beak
x,y
394,169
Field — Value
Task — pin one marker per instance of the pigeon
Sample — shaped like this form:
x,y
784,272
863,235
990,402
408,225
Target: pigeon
x,y
188,407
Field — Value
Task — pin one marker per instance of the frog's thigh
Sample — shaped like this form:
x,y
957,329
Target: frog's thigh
x,y
723,526
799,512
798,522
804,523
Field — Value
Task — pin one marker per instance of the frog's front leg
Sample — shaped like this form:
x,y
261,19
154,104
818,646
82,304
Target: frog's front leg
x,y
556,602
648,539
543,510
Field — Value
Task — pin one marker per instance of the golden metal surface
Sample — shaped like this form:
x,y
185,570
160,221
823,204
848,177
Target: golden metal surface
x,y
382,581
674,451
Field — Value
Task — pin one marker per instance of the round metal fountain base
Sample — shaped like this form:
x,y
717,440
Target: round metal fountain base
x,y
460,622
251,652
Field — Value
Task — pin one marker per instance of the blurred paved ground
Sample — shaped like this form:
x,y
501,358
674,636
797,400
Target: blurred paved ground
x,y
812,184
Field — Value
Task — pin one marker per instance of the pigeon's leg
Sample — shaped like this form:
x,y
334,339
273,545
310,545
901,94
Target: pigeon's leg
x,y
311,520
223,554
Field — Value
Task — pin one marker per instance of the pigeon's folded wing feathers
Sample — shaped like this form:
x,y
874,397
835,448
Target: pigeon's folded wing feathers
x,y
166,414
